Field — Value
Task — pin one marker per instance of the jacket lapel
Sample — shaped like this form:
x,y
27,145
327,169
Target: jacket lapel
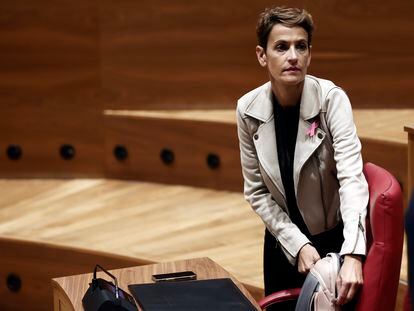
x,y
305,144
261,108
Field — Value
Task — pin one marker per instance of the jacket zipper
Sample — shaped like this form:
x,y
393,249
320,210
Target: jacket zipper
x,y
322,193
360,227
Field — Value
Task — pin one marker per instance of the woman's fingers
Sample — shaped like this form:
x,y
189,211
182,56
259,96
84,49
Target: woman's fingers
x,y
349,279
308,256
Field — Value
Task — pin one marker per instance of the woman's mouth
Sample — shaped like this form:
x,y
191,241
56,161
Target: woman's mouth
x,y
292,69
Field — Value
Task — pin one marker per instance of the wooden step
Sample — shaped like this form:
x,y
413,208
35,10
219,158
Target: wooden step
x,y
193,134
203,148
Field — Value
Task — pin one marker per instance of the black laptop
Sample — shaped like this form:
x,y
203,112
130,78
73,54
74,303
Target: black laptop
x,y
201,295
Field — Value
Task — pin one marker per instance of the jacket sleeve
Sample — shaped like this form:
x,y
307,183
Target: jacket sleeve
x,y
353,188
277,221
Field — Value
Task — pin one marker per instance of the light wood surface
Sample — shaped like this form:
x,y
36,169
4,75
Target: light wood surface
x,y
383,124
401,295
70,290
144,220
379,124
206,115
35,263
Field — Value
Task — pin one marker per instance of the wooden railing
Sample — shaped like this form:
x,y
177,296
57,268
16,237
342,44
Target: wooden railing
x,y
27,267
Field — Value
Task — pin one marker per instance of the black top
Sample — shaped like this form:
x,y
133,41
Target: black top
x,y
286,126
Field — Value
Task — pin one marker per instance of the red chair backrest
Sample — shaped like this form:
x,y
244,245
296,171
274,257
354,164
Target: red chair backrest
x,y
385,233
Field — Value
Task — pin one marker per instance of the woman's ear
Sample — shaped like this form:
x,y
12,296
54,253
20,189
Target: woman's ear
x,y
261,56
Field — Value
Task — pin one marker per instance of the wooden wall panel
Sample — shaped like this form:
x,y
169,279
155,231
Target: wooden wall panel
x,y
190,141
49,87
158,54
365,46
62,63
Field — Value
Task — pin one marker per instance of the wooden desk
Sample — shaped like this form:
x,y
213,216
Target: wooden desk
x,y
410,177
68,291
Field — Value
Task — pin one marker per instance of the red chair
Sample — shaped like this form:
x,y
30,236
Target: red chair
x,y
385,234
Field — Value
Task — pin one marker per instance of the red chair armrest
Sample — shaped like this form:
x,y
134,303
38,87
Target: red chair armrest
x,y
283,295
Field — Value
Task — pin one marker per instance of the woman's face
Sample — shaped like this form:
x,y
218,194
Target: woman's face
x,y
287,55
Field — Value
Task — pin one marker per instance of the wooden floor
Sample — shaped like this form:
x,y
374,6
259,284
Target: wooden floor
x,y
150,221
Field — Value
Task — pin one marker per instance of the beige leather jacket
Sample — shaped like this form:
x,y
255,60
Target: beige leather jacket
x,y
327,171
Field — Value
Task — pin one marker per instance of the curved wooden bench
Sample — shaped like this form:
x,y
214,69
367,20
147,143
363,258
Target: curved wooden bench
x,y
36,263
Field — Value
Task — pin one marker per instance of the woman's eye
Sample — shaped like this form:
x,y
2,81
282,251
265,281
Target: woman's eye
x,y
281,47
302,47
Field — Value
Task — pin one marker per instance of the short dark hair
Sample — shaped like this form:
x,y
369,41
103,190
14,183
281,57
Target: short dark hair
x,y
289,17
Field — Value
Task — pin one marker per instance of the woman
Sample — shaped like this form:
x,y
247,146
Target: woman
x,y
301,160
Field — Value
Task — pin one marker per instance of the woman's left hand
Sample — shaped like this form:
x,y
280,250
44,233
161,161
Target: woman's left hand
x,y
349,278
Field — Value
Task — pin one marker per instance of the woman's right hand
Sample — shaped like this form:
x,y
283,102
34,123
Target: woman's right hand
x,y
308,256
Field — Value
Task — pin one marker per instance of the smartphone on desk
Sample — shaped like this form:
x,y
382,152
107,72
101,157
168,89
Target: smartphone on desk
x,y
174,276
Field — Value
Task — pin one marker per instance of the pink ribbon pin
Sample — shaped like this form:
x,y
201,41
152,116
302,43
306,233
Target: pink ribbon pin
x,y
311,131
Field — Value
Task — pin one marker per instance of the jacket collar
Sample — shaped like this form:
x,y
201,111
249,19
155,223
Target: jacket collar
x,y
261,107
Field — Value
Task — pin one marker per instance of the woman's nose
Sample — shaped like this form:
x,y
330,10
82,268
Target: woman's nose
x,y
292,54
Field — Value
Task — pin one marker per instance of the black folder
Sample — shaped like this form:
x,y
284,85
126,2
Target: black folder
x,y
201,295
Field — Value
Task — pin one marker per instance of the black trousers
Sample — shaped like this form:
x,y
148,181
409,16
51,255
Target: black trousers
x,y
279,274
